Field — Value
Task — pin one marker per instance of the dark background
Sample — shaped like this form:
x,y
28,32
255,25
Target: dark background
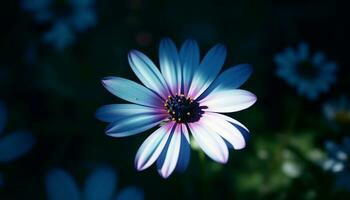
x,y
54,94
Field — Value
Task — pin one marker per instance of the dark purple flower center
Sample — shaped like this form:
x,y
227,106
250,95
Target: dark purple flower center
x,y
182,109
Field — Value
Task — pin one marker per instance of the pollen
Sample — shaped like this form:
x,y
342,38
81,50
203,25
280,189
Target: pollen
x,y
182,109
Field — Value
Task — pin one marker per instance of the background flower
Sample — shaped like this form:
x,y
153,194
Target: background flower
x,y
99,185
310,74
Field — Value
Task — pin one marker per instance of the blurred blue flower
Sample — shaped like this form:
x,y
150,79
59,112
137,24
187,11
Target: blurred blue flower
x,y
60,36
338,162
186,96
100,185
14,145
337,111
310,74
40,9
75,16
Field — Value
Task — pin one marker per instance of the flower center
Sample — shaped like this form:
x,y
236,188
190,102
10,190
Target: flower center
x,y
182,109
307,70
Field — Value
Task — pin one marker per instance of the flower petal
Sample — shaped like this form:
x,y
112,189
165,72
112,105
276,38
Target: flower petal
x,y
225,101
148,73
207,70
100,185
131,91
134,124
210,142
223,128
190,58
170,65
171,153
185,150
15,145
60,185
114,112
130,193
232,78
152,147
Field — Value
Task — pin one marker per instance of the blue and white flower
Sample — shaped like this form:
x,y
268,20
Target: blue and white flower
x,y
310,74
100,185
73,17
187,96
13,145
338,162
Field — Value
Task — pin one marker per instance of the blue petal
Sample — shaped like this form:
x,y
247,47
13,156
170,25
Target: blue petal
x,y
3,113
170,65
134,124
132,92
60,36
190,58
207,70
232,78
131,193
148,73
114,112
60,185
185,151
303,51
100,185
82,19
15,145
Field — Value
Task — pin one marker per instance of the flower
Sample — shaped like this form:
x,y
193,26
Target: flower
x,y
66,18
310,74
13,145
338,162
100,184
338,111
185,96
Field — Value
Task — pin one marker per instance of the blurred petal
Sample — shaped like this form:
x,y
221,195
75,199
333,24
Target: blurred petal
x,y
131,91
100,185
15,145
185,150
230,79
171,153
134,124
207,70
210,142
60,185
130,193
152,147
225,101
170,65
189,57
3,113
223,128
114,112
148,73
303,51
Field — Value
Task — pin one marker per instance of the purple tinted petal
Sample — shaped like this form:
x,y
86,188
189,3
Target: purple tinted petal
x,y
225,101
152,147
211,143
